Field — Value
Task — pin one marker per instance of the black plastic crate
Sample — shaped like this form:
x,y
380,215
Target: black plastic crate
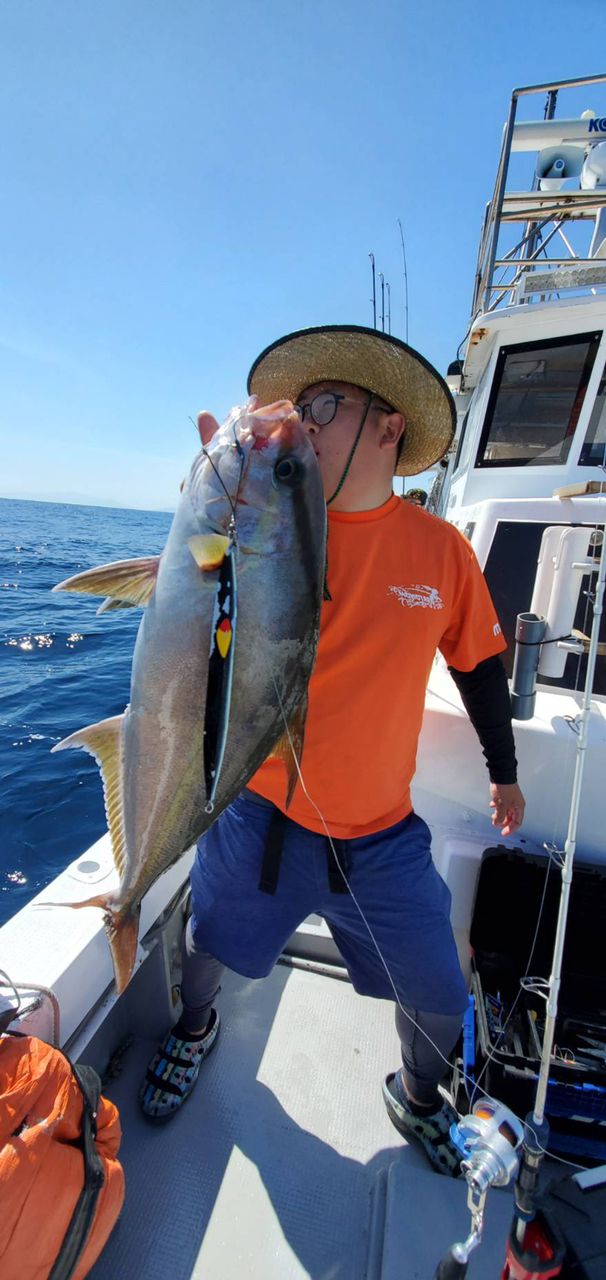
x,y
504,923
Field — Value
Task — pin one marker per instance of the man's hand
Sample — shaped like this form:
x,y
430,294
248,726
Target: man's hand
x,y
508,805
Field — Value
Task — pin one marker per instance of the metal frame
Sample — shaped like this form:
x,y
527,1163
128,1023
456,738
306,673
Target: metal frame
x,y
545,206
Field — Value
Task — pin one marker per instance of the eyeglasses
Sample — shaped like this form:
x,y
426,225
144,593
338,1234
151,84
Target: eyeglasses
x,y
323,408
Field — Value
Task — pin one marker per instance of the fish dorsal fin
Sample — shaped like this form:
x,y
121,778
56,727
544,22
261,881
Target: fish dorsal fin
x,y
208,549
130,582
283,749
104,742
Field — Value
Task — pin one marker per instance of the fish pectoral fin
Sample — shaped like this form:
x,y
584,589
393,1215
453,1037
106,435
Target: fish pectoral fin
x,y
110,605
128,582
104,741
102,900
290,745
208,550
122,929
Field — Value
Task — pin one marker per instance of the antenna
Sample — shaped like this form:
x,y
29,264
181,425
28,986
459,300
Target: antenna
x,y
374,291
388,287
405,277
382,279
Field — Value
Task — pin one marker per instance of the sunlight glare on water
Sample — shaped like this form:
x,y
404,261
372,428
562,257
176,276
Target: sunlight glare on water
x,y
62,668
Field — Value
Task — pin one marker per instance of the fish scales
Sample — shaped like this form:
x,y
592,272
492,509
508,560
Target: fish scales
x,y
255,488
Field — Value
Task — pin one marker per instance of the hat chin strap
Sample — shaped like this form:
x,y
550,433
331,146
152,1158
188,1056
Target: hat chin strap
x,y
351,452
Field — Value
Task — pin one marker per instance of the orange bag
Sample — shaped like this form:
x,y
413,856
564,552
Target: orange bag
x,y
45,1122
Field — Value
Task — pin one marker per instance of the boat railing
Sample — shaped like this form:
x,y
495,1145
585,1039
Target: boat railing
x,y
569,185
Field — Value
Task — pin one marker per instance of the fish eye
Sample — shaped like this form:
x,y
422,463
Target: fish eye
x,y
288,472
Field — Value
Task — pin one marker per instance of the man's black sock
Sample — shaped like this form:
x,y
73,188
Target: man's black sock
x,y
426,1109
183,1033
416,1108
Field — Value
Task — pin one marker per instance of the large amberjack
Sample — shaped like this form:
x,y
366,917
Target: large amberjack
x,y
223,655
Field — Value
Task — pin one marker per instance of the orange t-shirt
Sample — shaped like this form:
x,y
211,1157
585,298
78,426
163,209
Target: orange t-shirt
x,y
403,584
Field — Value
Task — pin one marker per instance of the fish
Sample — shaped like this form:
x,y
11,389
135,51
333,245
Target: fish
x,y
223,654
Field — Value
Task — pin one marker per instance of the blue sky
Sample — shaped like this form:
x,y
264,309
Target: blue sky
x,y
184,181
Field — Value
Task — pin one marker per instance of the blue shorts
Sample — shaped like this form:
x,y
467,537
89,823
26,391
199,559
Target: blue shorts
x,y
391,873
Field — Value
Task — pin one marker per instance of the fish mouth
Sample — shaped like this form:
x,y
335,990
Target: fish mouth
x,y
291,433
278,423
275,431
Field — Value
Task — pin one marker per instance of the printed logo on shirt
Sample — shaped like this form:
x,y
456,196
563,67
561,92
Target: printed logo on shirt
x,y
418,596
496,630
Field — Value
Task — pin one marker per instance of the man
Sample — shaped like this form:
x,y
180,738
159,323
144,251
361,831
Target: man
x,y
418,496
400,584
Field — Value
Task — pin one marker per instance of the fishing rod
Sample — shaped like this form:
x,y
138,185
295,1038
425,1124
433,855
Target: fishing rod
x,y
374,291
405,279
537,1127
493,1145
493,1142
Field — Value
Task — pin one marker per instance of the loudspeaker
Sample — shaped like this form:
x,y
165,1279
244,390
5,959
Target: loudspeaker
x,y
556,164
594,168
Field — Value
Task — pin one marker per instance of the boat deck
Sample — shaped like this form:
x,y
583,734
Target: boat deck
x,y
283,1163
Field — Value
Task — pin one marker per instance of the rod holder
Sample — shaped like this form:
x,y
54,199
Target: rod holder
x,y
530,630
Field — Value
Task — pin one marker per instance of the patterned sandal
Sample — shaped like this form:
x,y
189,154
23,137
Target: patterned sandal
x,y
431,1132
173,1071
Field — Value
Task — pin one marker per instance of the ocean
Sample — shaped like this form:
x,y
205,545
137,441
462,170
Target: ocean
x,y
61,668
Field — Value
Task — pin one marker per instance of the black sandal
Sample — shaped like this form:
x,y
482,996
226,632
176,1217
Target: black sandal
x,y
173,1071
431,1132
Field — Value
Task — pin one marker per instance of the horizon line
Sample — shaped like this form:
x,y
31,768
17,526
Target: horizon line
x,y
98,504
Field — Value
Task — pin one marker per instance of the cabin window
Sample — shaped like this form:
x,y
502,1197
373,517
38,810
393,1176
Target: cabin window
x,y
510,572
593,453
535,402
471,421
460,444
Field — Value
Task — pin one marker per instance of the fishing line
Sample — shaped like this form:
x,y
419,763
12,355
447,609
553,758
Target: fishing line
x,y
541,987
476,1087
552,850
551,847
493,1050
575,691
242,456
12,1012
223,634
376,945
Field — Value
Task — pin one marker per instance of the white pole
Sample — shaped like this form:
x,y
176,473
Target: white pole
x,y
570,847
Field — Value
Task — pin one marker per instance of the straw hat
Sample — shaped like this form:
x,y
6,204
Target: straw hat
x,y
370,359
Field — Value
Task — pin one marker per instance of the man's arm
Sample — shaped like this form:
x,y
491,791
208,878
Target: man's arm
x,y
485,696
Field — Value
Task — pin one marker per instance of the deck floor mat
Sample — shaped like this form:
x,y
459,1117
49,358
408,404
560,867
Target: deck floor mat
x,y
269,1169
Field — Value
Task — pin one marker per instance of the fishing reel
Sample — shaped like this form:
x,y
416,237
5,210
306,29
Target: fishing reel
x,y
489,1140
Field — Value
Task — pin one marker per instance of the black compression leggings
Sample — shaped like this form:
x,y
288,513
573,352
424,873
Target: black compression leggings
x,y
424,1065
